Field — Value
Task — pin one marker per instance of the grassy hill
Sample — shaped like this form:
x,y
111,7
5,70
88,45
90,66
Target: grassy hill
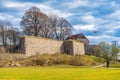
x,y
61,59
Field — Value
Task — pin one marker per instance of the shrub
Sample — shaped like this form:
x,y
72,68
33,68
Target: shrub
x,y
82,60
62,59
53,59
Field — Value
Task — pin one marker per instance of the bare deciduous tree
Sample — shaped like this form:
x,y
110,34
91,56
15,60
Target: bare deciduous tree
x,y
33,21
61,28
9,36
64,29
13,36
4,26
36,23
53,23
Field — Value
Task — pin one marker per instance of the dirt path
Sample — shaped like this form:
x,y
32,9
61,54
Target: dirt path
x,y
99,65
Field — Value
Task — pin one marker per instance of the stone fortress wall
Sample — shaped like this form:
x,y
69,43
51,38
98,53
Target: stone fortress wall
x,y
36,45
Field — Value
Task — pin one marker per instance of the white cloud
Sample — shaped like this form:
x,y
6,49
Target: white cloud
x,y
62,14
13,5
115,15
110,31
99,37
77,3
92,20
85,27
88,18
116,27
114,5
44,8
103,38
86,3
13,19
2,18
112,25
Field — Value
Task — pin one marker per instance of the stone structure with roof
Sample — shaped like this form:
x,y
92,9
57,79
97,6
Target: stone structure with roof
x,y
89,49
80,37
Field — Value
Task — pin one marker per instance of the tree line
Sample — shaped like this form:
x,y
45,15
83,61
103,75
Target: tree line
x,y
35,23
8,34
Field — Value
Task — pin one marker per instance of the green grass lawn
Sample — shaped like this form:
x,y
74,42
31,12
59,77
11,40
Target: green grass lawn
x,y
115,65
59,73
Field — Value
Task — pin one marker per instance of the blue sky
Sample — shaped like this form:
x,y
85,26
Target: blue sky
x,y
86,16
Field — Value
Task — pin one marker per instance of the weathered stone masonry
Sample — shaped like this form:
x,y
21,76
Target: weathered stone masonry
x,y
37,45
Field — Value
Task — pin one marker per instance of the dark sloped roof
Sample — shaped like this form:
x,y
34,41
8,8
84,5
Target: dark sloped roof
x,y
77,36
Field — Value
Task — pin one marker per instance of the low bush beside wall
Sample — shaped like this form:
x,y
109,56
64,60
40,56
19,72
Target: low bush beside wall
x,y
7,59
54,59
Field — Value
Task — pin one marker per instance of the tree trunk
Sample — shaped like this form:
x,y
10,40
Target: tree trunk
x,y
36,32
107,64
